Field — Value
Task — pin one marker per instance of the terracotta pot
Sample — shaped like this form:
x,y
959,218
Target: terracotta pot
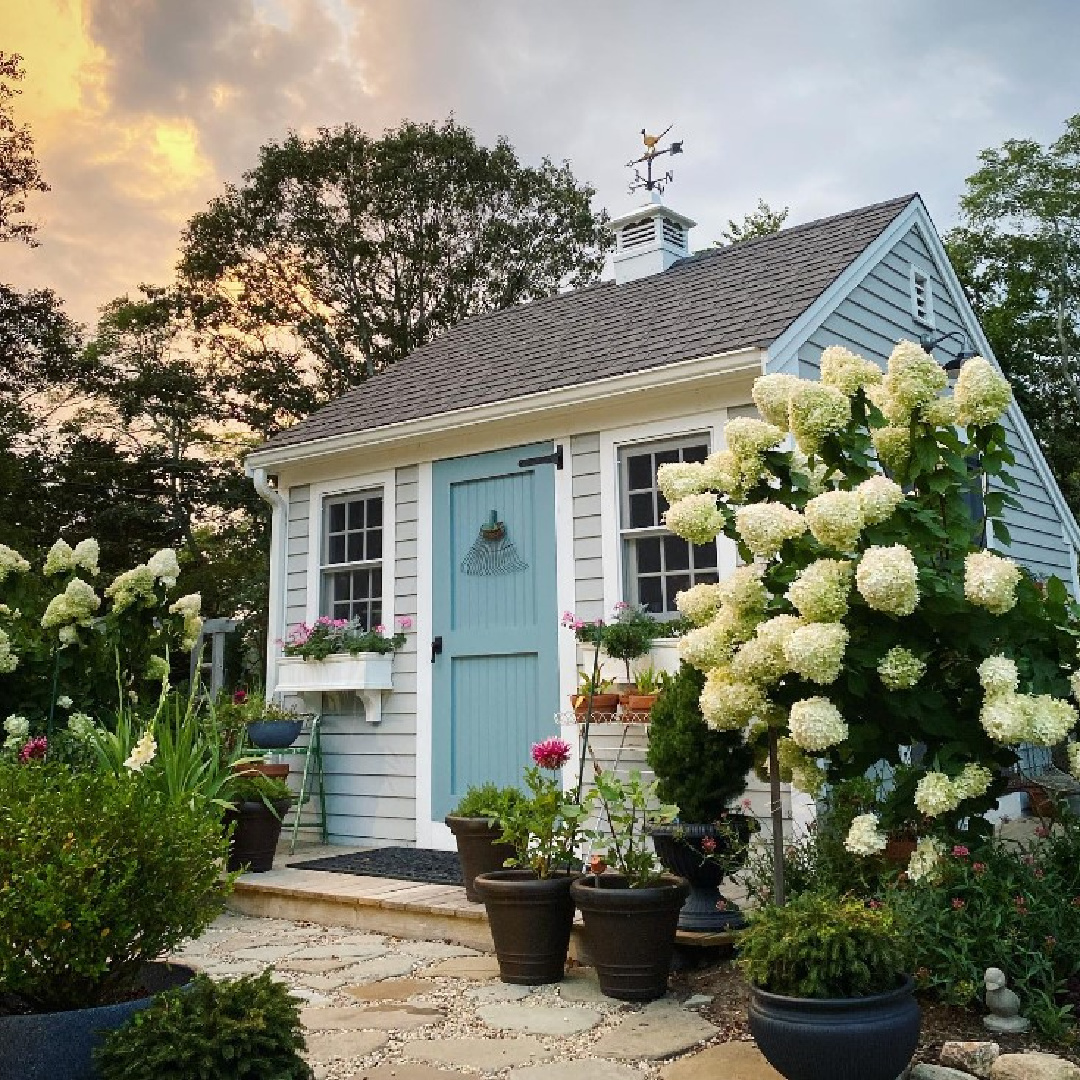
x,y
478,849
263,768
603,705
639,706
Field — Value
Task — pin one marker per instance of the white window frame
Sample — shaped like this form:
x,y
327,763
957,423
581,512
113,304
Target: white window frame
x,y
383,483
921,280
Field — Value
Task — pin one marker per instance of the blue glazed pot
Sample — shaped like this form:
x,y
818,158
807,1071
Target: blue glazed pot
x,y
274,734
59,1045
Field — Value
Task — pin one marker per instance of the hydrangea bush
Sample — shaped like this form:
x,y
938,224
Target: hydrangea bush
x,y
867,618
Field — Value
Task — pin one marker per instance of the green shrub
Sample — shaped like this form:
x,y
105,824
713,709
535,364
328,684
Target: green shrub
x,y
98,874
235,1029
487,800
255,787
823,947
697,769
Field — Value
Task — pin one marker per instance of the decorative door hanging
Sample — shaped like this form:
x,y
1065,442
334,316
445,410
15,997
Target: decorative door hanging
x,y
493,552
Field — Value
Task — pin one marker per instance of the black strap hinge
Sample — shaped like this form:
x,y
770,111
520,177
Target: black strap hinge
x,y
555,459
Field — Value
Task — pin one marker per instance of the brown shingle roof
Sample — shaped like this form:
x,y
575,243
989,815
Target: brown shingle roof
x,y
710,303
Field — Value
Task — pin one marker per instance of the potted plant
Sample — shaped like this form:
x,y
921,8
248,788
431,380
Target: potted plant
x,y
828,997
248,1028
703,772
648,682
476,823
529,908
628,636
258,805
630,915
594,690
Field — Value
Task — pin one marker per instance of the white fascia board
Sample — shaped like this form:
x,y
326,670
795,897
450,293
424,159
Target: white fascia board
x,y
569,397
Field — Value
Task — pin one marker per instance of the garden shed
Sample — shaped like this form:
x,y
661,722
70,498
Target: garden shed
x,y
505,473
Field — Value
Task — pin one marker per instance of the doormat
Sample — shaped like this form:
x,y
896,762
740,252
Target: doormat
x,y
400,863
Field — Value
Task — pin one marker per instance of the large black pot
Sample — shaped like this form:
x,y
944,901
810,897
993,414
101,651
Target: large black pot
x,y
479,849
630,933
255,838
679,848
865,1038
530,920
59,1045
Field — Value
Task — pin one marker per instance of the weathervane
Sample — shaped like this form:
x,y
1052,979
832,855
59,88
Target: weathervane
x,y
648,181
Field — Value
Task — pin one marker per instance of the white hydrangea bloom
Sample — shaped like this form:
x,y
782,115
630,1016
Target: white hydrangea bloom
x,y
764,527
744,591
76,605
133,586
913,377
893,446
998,675
936,794
973,781
17,727
64,702
711,645
699,603
981,394
11,562
888,579
816,651
900,669
925,859
847,371
728,704
806,774
189,607
9,659
1074,759
1005,718
695,518
59,560
836,519
816,412
879,497
1074,682
865,837
816,724
772,395
761,659
142,753
821,590
86,555
678,479
81,726
164,566
941,412
1050,720
157,668
990,581
749,438
68,635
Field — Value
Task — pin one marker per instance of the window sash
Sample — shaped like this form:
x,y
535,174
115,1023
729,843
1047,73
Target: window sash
x,y
352,525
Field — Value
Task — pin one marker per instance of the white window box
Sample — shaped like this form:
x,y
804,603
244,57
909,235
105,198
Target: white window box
x,y
368,675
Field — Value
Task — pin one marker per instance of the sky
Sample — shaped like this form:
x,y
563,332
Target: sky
x,y
144,109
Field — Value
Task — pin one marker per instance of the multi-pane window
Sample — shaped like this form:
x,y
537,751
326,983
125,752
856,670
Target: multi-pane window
x,y
658,564
352,551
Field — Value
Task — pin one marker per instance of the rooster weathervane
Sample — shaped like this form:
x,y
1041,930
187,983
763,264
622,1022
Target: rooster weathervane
x,y
648,181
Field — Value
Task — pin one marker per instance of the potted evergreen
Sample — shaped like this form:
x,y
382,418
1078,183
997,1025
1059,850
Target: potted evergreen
x,y
829,999
703,772
476,823
629,636
258,805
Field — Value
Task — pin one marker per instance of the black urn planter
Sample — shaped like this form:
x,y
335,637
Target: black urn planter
x,y
630,933
478,849
678,847
530,920
59,1045
864,1038
255,838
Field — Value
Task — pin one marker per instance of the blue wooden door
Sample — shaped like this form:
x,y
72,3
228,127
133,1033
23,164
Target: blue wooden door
x,y
495,682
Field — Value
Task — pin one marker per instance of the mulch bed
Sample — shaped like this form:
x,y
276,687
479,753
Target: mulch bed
x,y
403,864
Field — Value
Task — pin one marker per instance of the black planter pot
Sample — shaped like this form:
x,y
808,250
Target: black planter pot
x,y
59,1045
256,835
867,1038
530,920
478,849
678,847
274,734
630,933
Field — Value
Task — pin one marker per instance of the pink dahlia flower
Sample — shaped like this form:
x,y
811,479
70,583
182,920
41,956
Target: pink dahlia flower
x,y
551,753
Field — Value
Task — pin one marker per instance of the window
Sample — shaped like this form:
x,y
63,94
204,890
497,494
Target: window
x,y
352,550
922,298
657,564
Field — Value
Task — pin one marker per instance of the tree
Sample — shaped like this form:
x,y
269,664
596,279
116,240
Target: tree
x,y
340,254
763,221
1017,253
19,172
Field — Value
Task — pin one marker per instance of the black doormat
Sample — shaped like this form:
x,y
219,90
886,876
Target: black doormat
x,y
404,864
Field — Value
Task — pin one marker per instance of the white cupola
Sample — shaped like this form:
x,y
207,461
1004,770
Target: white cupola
x,y
649,240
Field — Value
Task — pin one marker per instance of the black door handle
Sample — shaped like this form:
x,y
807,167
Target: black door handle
x,y
436,647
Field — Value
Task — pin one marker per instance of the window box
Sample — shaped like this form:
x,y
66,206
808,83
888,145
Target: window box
x,y
368,675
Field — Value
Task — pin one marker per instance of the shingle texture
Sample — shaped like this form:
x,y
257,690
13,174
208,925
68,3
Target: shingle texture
x,y
713,302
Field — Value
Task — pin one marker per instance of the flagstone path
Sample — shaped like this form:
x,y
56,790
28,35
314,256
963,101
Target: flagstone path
x,y
382,1008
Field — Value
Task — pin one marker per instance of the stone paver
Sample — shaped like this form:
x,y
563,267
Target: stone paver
x,y
583,1069
926,1071
232,969
339,1045
312,967
435,950
337,1018
732,1061
342,950
535,1019
499,991
390,989
465,967
658,1031
583,986
378,967
487,1055
407,1070
266,953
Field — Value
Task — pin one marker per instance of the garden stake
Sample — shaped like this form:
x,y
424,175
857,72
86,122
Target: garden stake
x,y
588,721
777,810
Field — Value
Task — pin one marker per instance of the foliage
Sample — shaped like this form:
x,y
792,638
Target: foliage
x,y
591,683
1014,907
487,800
1017,253
823,947
256,787
231,713
19,172
628,807
98,874
244,1029
762,221
628,635
353,251
698,769
328,637
648,680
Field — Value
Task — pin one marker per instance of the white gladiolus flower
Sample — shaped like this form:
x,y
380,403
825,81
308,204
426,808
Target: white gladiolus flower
x,y
836,519
820,592
925,859
11,562
749,438
772,395
59,560
847,371
998,675
816,724
900,669
864,837
990,581
981,394
143,752
728,704
815,412
86,555
695,518
678,479
888,579
879,497
913,377
816,651
936,794
699,603
764,527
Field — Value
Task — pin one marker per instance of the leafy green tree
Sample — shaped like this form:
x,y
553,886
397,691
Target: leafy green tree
x,y
337,255
20,174
762,221
1017,253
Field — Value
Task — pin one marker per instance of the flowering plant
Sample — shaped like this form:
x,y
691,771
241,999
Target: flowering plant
x,y
329,636
866,618
626,637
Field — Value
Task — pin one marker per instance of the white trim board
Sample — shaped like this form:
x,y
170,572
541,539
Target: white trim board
x,y
429,834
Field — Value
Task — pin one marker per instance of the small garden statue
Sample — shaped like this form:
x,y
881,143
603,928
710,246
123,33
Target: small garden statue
x,y
1004,1005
